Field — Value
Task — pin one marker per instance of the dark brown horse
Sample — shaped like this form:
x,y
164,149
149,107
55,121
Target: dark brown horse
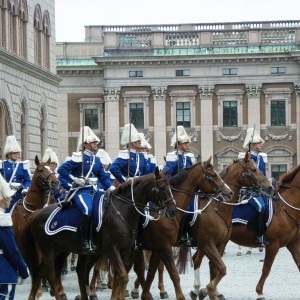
x,y
283,230
115,238
202,180
212,228
43,183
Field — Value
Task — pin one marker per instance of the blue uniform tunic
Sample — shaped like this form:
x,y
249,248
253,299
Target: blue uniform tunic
x,y
93,169
17,174
175,163
11,261
138,165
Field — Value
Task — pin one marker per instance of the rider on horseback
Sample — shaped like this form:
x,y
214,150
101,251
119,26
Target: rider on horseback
x,y
83,176
15,172
254,142
177,160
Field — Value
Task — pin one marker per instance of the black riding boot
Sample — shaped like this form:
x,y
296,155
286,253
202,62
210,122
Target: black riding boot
x,y
260,230
85,232
183,237
93,247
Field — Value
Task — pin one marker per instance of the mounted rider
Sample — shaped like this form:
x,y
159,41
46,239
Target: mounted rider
x,y
254,143
130,162
83,176
177,160
106,162
145,148
14,171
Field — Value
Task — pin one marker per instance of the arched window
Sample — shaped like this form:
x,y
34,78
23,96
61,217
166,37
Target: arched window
x,y
38,33
13,22
5,125
4,23
47,34
23,14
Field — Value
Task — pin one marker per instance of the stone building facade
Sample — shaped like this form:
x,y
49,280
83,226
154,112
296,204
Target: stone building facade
x,y
28,80
215,79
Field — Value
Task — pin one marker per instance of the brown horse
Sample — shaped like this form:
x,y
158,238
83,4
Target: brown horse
x,y
283,230
202,180
115,238
211,229
43,183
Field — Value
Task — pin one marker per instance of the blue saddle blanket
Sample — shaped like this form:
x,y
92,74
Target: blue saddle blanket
x,y
70,218
244,213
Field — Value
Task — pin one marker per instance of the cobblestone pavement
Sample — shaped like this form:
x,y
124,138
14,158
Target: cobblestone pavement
x,y
243,273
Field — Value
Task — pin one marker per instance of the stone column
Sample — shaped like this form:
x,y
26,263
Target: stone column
x,y
297,90
160,128
112,121
253,93
206,135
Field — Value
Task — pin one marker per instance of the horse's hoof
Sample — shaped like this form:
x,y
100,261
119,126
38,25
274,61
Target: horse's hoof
x,y
72,268
239,253
248,252
63,297
127,294
193,295
164,295
45,289
202,294
135,294
261,297
93,297
261,249
51,293
77,297
103,286
221,297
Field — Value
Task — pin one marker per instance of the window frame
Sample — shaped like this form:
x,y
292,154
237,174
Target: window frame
x,y
223,112
182,73
271,111
183,109
231,72
136,74
278,70
130,116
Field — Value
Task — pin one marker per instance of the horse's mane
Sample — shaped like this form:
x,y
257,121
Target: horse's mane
x,y
180,177
127,184
288,177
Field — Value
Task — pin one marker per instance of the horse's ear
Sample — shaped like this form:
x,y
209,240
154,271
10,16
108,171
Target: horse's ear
x,y
209,161
48,161
156,172
36,160
165,159
246,158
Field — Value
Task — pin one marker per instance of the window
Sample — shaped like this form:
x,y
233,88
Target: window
x,y
183,114
230,71
277,170
136,74
278,70
91,118
182,72
278,113
136,114
230,118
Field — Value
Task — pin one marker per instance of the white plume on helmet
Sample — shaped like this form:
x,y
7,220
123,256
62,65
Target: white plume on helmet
x,y
144,142
130,134
252,137
11,145
104,157
5,190
88,137
182,136
49,153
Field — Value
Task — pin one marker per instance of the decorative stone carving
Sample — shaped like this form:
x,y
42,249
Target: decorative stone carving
x,y
270,134
230,138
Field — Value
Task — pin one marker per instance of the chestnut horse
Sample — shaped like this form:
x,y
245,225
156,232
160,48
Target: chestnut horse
x,y
115,238
283,230
43,183
199,180
212,228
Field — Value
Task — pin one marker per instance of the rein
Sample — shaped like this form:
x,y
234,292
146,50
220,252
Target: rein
x,y
289,205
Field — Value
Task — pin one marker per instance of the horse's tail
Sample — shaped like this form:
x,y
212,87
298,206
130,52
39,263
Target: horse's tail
x,y
181,259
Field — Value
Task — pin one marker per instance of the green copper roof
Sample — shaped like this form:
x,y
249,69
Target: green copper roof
x,y
75,62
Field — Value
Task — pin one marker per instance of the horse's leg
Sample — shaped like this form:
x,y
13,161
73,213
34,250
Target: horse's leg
x,y
96,272
36,279
197,260
270,253
162,292
81,270
214,255
73,259
60,266
139,269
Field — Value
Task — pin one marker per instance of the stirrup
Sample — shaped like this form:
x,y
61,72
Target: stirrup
x,y
93,247
261,241
85,247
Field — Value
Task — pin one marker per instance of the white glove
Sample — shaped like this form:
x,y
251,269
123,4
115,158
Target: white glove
x,y
80,181
24,191
112,188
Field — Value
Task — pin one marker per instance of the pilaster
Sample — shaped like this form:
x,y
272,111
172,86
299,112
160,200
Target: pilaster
x,y
253,93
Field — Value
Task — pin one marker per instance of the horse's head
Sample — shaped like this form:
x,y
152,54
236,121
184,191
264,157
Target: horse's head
x,y
162,195
210,182
44,177
245,173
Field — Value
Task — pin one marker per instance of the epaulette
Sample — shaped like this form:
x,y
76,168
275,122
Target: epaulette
x,y
191,156
171,156
241,155
264,156
1,164
76,156
26,164
153,160
124,154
